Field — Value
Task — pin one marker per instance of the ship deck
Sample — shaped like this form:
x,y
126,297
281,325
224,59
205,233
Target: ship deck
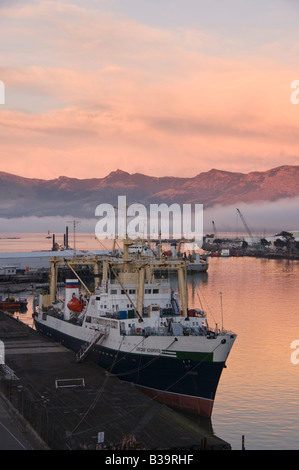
x,y
70,417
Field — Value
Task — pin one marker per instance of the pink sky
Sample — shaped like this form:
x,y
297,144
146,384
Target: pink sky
x,y
88,91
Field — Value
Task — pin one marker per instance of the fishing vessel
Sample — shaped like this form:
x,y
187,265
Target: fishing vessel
x,y
137,327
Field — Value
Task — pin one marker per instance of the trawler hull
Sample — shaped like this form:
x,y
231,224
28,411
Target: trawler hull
x,y
181,379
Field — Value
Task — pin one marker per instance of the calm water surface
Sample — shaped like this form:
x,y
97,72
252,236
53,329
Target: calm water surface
x,y
258,392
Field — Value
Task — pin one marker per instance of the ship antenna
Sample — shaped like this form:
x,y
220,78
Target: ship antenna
x,y
75,222
220,293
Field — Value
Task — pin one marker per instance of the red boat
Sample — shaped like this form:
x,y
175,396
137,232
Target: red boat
x,y
10,303
76,305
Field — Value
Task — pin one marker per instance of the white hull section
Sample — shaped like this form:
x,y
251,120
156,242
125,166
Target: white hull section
x,y
154,345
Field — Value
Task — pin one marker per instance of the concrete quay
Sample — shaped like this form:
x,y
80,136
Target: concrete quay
x,y
64,404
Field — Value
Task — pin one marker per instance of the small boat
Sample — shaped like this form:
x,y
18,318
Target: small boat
x,y
11,303
198,264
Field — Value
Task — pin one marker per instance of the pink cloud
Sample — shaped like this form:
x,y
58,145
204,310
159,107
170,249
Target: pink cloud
x,y
110,93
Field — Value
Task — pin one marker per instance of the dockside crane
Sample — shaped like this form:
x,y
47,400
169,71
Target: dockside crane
x,y
246,226
214,229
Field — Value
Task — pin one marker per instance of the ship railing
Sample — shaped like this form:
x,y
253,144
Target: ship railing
x,y
176,329
101,329
98,335
225,332
167,331
147,331
54,312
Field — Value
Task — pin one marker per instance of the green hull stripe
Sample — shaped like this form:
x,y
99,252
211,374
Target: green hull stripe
x,y
192,356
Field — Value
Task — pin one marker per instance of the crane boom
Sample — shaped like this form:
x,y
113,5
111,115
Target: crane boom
x,y
245,224
214,229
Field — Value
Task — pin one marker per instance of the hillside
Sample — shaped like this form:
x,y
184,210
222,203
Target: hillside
x,y
79,197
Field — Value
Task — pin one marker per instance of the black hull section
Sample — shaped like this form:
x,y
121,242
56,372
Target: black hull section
x,y
186,384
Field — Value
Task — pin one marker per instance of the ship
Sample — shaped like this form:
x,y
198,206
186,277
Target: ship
x,y
196,262
139,328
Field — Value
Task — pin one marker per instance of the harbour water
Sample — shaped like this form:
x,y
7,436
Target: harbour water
x,y
258,392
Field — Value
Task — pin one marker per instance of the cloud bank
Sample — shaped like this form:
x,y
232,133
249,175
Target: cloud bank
x,y
89,90
264,218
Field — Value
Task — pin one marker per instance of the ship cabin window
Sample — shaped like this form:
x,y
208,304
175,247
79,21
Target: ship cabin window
x,y
155,291
132,291
88,320
147,291
165,291
155,308
113,291
98,298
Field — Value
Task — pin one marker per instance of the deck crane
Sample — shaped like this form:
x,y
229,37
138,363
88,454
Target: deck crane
x,y
246,226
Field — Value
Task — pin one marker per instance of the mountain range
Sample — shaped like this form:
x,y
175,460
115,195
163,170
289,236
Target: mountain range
x,y
66,196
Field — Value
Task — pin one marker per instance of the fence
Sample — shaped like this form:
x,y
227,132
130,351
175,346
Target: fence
x,y
45,418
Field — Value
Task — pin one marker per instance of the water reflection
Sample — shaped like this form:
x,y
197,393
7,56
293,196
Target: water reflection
x,y
257,394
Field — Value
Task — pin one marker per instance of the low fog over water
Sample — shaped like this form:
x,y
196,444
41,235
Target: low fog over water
x,y
264,218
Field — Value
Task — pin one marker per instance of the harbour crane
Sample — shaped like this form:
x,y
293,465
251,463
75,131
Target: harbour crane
x,y
214,229
246,226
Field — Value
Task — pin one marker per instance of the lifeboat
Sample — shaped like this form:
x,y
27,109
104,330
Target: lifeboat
x,y
75,304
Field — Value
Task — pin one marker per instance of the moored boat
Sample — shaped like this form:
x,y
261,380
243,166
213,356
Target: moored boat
x,y
198,264
11,303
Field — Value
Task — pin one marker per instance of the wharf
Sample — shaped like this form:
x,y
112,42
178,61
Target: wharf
x,y
32,379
